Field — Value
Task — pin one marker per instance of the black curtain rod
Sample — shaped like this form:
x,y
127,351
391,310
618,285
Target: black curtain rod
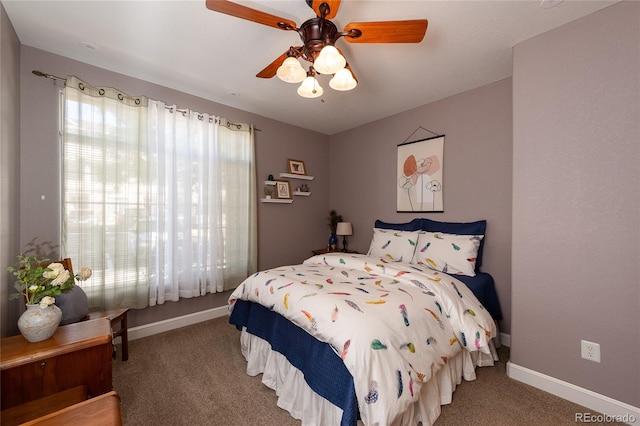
x,y
42,74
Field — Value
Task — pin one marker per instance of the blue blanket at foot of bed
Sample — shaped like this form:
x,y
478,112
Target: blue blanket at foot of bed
x,y
323,369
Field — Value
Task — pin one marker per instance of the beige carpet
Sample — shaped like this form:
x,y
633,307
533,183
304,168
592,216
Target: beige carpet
x,y
196,375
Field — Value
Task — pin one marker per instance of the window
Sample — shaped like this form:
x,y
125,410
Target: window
x,y
144,200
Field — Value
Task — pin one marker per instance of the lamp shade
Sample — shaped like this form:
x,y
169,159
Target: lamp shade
x,y
310,88
291,71
344,228
343,80
329,61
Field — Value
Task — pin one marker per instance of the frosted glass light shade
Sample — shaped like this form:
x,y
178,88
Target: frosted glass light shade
x,y
343,80
310,88
329,61
291,71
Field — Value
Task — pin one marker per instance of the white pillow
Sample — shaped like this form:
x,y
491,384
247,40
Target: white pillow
x,y
396,246
454,254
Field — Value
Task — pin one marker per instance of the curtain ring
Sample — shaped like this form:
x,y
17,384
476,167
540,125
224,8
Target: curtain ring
x,y
137,101
81,86
200,117
101,92
120,96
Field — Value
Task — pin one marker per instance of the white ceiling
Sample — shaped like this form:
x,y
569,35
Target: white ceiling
x,y
183,45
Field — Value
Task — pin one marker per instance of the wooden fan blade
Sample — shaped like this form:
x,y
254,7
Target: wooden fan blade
x,y
334,5
389,31
243,12
271,69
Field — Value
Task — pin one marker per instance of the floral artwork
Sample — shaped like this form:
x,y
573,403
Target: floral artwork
x,y
420,176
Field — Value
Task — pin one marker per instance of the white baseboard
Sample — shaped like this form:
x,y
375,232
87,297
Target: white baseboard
x,y
505,339
177,322
618,410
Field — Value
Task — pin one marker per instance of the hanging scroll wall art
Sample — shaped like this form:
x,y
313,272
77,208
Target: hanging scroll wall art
x,y
420,176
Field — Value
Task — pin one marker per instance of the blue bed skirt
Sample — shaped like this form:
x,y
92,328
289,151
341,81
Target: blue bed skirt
x,y
323,369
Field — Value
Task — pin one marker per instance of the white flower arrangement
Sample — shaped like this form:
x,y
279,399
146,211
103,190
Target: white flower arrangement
x,y
39,285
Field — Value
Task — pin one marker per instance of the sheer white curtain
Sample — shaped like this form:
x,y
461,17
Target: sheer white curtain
x,y
159,202
203,205
105,188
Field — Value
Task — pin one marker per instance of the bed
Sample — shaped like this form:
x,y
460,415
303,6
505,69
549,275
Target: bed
x,y
382,338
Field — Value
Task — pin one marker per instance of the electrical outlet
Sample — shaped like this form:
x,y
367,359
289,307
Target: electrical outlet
x,y
590,351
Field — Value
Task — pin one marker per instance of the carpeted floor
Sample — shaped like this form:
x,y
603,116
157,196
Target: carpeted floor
x,y
196,375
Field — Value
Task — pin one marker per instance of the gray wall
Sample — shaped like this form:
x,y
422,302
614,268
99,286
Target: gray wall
x,y
576,202
9,167
477,172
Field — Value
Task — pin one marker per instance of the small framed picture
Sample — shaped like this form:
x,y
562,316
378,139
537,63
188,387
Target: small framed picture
x,y
283,190
296,167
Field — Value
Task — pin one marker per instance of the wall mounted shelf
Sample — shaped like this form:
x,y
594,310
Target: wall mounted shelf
x,y
286,200
292,176
277,200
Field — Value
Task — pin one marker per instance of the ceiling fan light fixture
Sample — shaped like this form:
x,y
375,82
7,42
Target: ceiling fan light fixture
x,y
343,80
329,61
310,88
291,71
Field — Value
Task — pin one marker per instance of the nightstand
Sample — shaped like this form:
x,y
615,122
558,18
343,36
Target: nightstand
x,y
325,251
77,354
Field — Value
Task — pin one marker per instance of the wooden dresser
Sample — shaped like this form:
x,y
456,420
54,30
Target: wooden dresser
x,y
77,355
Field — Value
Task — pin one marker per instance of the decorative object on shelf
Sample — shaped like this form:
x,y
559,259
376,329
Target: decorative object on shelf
x,y
38,286
270,177
283,189
37,323
419,175
296,167
334,219
268,192
303,190
344,229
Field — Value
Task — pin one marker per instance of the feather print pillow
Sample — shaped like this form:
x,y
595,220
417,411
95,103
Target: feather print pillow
x,y
394,246
453,254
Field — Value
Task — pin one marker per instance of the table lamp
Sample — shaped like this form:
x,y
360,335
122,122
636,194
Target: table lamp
x,y
344,229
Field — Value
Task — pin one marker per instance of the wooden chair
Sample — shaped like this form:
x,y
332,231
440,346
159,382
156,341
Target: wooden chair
x,y
117,317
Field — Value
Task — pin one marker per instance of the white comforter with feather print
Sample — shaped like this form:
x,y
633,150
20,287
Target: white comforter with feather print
x,y
393,324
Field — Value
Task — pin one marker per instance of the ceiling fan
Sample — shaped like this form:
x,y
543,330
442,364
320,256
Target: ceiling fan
x,y
319,36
